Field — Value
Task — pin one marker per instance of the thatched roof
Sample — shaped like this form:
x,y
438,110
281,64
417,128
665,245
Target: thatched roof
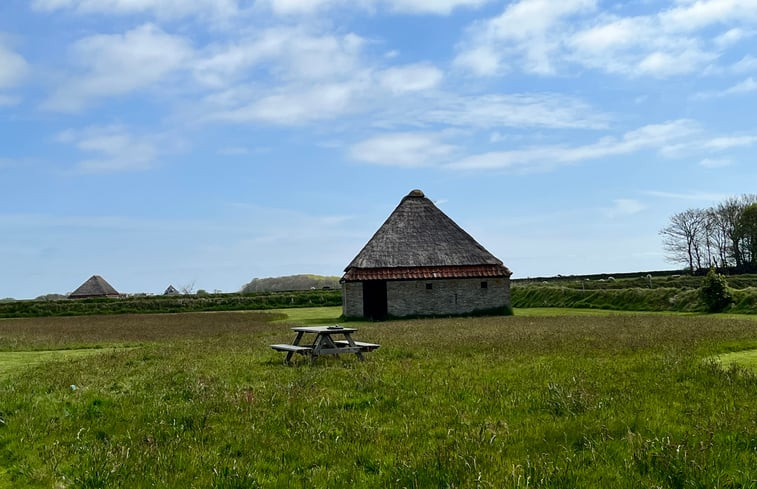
x,y
419,241
95,286
171,290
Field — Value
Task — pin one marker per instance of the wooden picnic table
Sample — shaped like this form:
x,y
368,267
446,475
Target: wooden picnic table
x,y
325,342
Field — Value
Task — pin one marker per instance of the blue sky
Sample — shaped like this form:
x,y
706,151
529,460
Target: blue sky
x,y
206,142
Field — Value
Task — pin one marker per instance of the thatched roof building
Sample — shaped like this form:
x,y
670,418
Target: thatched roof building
x,y
95,286
420,262
171,290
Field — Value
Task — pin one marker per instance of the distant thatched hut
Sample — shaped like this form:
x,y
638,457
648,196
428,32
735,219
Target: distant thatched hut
x,y
95,286
171,290
420,263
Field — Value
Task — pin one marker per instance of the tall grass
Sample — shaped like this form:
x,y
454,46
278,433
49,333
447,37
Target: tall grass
x,y
591,401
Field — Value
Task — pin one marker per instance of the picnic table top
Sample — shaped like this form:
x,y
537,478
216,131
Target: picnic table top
x,y
323,329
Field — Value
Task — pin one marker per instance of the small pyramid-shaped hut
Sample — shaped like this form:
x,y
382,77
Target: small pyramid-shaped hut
x,y
421,263
95,286
171,290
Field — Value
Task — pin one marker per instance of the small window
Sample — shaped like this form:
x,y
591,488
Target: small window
x,y
429,286
484,285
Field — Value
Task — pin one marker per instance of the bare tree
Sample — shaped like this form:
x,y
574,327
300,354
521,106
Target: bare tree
x,y
723,236
188,289
717,238
683,238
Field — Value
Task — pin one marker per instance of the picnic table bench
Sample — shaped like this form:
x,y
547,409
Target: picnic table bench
x,y
366,347
292,348
324,343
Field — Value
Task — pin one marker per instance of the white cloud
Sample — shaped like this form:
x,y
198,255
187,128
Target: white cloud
x,y
228,8
161,8
546,110
289,7
665,64
481,60
746,86
731,37
691,16
543,37
437,7
650,137
321,57
746,64
285,76
294,76
528,31
406,149
285,53
410,78
697,146
295,105
624,207
113,148
610,35
513,110
728,142
117,64
638,46
13,68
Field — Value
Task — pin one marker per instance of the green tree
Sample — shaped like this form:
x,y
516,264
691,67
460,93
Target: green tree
x,y
714,291
748,231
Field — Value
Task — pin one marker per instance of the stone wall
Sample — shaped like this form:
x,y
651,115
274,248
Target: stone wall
x,y
448,296
452,296
352,299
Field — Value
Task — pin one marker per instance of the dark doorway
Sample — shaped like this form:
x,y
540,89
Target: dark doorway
x,y
374,300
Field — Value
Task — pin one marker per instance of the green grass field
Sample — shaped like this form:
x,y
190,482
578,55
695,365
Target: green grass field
x,y
14,361
746,359
545,398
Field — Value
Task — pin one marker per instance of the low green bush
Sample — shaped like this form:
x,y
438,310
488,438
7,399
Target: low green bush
x,y
171,304
715,293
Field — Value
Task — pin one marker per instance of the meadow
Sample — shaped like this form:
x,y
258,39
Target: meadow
x,y
544,398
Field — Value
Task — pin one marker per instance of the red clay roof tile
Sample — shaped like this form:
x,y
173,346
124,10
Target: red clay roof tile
x,y
425,273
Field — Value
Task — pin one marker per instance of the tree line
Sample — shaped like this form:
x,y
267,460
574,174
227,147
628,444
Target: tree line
x,y
723,236
291,282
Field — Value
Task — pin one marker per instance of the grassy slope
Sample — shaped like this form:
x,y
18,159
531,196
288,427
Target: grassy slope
x,y
678,293
560,401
